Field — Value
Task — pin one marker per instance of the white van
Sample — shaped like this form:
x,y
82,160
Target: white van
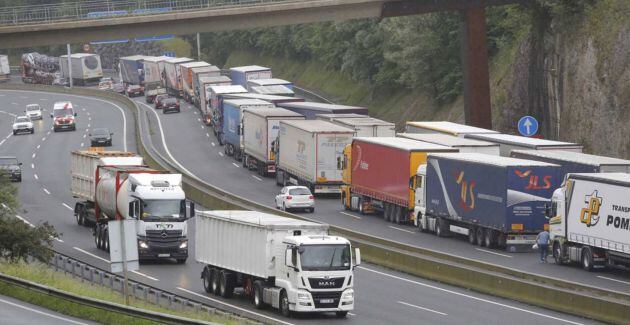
x,y
63,116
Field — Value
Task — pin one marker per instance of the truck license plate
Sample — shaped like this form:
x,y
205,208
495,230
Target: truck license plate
x,y
327,301
164,255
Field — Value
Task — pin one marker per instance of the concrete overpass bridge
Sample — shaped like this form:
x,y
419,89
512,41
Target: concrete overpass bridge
x,y
101,20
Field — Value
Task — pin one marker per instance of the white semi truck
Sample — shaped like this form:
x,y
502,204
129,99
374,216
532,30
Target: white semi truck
x,y
114,185
86,68
590,220
288,264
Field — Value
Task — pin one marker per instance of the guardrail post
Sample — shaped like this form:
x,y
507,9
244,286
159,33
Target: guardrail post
x,y
101,277
158,293
133,289
91,275
145,293
111,282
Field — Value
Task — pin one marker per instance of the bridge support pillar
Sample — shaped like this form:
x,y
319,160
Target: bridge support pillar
x,y
475,65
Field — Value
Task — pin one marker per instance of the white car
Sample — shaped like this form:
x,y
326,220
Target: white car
x,y
295,197
23,124
34,111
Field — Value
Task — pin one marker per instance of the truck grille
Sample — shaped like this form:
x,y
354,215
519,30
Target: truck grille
x,y
164,234
322,283
318,297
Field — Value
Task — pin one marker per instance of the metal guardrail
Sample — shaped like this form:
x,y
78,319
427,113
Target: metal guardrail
x,y
101,9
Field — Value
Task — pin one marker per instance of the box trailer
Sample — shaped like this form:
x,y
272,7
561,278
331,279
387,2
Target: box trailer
x,y
130,69
203,101
590,220
376,174
186,75
508,142
367,126
86,68
278,90
450,128
576,162
310,110
494,200
232,133
461,144
173,75
308,152
288,264
240,75
268,82
274,99
153,70
260,131
199,79
332,117
214,112
5,68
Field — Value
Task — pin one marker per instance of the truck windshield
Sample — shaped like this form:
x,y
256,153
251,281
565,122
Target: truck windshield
x,y
161,210
325,257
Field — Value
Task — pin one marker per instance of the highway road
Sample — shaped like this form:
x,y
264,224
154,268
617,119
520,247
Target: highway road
x,y
383,296
17,312
194,147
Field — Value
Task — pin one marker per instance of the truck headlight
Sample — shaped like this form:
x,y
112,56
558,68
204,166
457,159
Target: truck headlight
x,y
143,244
303,295
348,295
183,245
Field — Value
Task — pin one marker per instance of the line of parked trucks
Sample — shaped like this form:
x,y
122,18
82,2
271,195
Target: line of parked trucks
x,y
498,190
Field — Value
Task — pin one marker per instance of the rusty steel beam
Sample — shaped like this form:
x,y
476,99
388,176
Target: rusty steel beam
x,y
477,108
414,7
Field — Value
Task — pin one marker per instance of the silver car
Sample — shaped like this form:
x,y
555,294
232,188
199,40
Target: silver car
x,y
23,124
295,197
34,111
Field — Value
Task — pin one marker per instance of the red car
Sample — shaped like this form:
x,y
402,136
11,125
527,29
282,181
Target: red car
x,y
159,101
135,90
170,105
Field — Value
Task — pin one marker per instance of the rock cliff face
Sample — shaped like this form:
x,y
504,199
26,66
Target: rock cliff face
x,y
574,77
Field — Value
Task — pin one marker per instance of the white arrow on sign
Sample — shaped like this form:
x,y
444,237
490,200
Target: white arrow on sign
x,y
528,124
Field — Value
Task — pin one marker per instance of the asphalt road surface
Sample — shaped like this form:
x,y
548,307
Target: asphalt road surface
x,y
382,295
17,312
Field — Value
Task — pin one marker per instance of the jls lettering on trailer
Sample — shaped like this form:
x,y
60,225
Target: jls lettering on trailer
x,y
536,182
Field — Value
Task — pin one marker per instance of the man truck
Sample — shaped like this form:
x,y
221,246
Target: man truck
x,y
494,200
590,220
376,173
113,185
291,265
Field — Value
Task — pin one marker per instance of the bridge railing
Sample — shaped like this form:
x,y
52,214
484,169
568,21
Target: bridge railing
x,y
91,10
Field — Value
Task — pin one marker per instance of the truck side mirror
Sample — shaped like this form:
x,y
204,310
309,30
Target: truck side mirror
x,y
192,209
357,257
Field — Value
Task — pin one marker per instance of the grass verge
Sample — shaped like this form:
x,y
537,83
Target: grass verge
x,y
42,274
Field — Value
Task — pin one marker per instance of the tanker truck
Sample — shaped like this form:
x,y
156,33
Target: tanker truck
x,y
114,185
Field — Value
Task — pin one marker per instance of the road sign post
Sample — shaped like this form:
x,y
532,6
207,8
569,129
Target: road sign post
x,y
123,249
527,126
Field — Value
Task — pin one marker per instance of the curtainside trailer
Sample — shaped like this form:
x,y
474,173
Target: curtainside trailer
x,y
310,110
461,144
576,162
240,75
232,133
173,78
444,127
508,142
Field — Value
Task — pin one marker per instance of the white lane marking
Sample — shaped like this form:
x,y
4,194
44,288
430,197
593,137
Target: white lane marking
x,y
42,313
400,229
195,113
207,135
427,309
201,126
144,275
43,99
236,165
35,175
67,206
2,142
47,192
233,306
34,154
95,256
351,314
495,253
38,146
82,144
4,206
89,118
32,166
221,154
47,133
24,220
212,143
257,178
83,109
85,135
59,240
44,138
13,103
611,279
467,296
198,120
8,136
23,97
88,124
351,215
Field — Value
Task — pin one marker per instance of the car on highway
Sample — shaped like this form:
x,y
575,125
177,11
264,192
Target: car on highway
x,y
118,87
10,167
295,197
63,116
105,83
170,105
101,137
34,111
23,124
159,101
135,90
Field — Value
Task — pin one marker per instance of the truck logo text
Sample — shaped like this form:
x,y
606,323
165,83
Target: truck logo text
x,y
467,189
534,180
590,215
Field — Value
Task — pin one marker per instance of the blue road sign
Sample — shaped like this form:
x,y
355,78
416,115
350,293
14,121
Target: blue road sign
x,y
527,126
169,53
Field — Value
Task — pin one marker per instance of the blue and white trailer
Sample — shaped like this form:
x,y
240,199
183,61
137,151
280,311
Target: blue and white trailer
x,y
233,121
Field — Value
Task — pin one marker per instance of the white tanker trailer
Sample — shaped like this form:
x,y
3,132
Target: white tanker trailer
x,y
114,185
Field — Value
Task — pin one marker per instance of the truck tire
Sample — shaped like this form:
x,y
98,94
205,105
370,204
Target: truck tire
x,y
106,240
490,240
398,211
79,215
361,211
481,232
587,258
226,285
284,304
557,253
440,227
386,211
258,295
214,281
279,176
205,278
472,235
97,237
244,161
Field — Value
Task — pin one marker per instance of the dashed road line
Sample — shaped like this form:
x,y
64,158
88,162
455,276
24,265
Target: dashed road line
x,y
494,253
59,240
25,221
85,135
221,154
213,144
47,191
423,308
14,103
82,144
35,175
400,229
67,206
257,178
207,135
236,165
198,120
351,215
63,319
32,166
611,279
34,154
95,256
144,275
2,142
38,146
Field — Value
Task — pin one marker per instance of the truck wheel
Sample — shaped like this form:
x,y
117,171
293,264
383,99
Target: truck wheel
x,y
341,314
480,233
106,240
207,281
421,227
258,295
226,287
397,214
279,174
490,238
214,281
587,258
244,161
79,215
439,227
557,253
97,237
361,211
284,304
472,235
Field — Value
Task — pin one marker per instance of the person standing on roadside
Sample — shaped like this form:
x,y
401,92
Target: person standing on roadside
x,y
542,240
